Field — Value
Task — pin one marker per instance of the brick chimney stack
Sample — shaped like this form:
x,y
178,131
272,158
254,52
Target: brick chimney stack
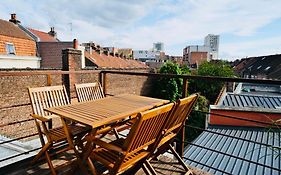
x,y
53,32
14,18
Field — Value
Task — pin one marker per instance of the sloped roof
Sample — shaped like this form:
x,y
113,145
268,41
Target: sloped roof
x,y
266,65
12,30
108,61
222,154
243,64
43,36
253,101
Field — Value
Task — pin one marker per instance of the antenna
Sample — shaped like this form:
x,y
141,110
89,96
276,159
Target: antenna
x,y
70,25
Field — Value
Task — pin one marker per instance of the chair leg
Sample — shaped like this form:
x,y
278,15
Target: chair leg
x,y
116,134
92,167
52,169
179,159
41,152
145,169
149,167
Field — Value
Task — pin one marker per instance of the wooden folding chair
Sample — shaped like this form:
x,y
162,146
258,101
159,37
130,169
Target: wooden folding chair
x,y
175,123
125,153
89,91
46,97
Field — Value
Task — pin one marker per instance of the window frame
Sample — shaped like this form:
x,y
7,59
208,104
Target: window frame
x,y
8,48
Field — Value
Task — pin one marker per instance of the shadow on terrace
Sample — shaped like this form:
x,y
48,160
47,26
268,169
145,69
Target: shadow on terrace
x,y
239,134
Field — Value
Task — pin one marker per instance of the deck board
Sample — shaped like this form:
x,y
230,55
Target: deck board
x,y
163,166
66,161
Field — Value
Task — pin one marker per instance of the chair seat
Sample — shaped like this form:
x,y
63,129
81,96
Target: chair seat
x,y
109,157
58,134
167,137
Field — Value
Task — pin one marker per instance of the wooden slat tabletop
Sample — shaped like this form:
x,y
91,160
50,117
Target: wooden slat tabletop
x,y
106,110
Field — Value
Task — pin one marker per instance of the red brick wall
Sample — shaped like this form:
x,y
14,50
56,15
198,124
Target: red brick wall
x,y
257,116
130,84
23,47
13,91
198,57
51,53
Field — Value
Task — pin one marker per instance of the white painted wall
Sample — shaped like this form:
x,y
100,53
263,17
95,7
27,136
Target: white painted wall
x,y
146,54
11,61
82,48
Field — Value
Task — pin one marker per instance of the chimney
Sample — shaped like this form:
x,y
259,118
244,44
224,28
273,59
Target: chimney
x,y
52,32
75,44
14,18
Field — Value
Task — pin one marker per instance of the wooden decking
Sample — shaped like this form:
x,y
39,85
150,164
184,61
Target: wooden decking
x,y
66,163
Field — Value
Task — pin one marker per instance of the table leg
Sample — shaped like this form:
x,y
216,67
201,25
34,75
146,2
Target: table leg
x,y
88,150
72,146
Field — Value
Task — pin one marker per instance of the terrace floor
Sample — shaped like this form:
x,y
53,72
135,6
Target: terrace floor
x,y
65,163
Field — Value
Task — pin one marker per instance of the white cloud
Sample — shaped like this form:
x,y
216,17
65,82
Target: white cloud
x,y
269,46
137,24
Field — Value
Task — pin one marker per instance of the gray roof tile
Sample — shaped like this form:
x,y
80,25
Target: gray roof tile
x,y
236,156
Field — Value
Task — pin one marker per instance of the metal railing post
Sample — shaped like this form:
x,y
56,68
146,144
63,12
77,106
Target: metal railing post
x,y
49,80
104,82
181,135
100,77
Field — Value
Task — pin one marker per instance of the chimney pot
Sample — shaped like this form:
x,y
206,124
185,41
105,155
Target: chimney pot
x,y
75,44
52,32
14,18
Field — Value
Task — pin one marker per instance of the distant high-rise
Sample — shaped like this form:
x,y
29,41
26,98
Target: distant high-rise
x,y
212,41
158,46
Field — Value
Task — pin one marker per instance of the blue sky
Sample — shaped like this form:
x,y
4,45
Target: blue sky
x,y
246,28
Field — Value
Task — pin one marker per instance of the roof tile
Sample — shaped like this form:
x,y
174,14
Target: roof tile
x,y
43,36
108,61
10,29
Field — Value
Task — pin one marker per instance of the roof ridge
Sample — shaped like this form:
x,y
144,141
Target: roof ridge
x,y
257,95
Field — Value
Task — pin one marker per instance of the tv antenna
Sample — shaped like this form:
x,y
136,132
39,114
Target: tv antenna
x,y
70,25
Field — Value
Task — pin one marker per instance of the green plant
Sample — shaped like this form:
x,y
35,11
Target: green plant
x,y
169,88
210,89
197,119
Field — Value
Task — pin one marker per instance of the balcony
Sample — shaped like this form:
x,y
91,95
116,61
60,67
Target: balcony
x,y
219,149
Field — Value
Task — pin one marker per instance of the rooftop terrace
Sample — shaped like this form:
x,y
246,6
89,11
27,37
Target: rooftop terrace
x,y
218,150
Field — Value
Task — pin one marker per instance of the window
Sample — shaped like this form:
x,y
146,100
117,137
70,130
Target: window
x,y
10,48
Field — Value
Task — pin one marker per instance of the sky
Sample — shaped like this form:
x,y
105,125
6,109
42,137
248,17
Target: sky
x,y
246,27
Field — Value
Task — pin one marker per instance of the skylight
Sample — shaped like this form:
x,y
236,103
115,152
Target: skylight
x,y
268,67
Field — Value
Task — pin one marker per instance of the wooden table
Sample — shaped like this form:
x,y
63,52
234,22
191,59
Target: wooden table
x,y
103,112
109,109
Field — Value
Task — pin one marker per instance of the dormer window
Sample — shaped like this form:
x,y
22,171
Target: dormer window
x,y
10,49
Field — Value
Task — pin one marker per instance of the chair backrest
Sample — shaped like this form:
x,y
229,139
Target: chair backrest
x,y
147,128
89,91
180,113
46,97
